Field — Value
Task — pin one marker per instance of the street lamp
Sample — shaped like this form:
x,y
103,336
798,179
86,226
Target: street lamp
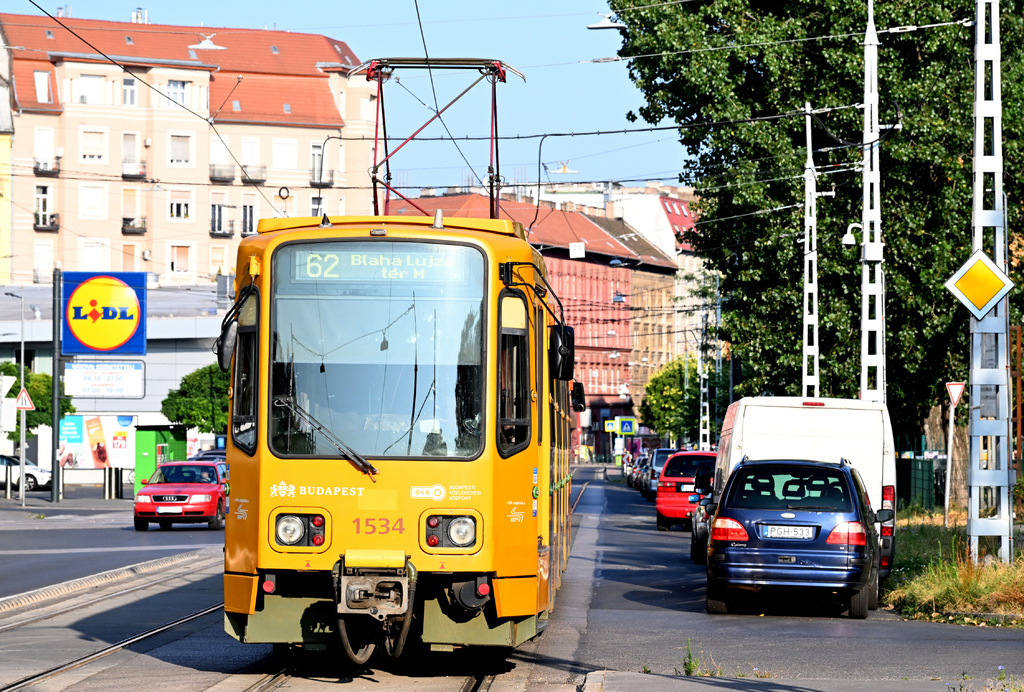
x,y
21,446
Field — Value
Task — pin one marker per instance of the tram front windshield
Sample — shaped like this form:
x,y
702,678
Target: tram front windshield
x,y
381,343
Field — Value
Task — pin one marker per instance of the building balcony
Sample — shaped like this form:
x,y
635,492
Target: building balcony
x,y
133,170
318,178
133,226
255,174
224,229
48,223
222,173
46,168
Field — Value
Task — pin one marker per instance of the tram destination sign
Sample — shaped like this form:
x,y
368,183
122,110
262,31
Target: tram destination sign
x,y
105,379
438,263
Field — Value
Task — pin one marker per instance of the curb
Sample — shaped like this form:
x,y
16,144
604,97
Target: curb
x,y
68,587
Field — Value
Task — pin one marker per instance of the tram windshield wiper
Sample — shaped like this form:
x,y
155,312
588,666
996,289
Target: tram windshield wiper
x,y
352,455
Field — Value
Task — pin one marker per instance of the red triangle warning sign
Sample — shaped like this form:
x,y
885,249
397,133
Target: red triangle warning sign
x,y
24,401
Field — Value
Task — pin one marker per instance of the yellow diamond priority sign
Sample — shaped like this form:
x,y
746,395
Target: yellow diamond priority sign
x,y
979,284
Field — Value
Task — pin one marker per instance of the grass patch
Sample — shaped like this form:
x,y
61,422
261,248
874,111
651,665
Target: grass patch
x,y
933,575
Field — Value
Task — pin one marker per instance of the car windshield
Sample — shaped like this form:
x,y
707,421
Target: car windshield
x,y
790,487
686,467
382,344
184,474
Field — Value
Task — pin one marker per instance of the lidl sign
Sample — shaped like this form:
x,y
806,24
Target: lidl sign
x,y
104,313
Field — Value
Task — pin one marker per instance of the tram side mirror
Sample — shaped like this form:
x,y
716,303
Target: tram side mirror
x,y
225,345
562,352
579,399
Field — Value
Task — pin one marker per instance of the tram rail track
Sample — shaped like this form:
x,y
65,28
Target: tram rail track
x,y
107,650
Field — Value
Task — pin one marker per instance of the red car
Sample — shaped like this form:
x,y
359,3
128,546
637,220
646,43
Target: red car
x,y
675,485
184,492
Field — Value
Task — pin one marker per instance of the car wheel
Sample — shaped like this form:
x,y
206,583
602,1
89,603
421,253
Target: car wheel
x,y
164,525
859,604
698,551
30,482
716,602
141,524
873,590
217,523
662,523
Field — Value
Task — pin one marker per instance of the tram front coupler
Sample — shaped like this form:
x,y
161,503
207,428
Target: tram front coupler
x,y
379,592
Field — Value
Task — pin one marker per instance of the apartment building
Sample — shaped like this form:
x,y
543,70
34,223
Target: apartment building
x,y
156,148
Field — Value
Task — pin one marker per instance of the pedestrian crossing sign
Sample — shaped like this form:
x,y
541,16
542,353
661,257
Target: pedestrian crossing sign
x,y
626,426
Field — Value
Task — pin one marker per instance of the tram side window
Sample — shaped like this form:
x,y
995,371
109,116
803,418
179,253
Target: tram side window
x,y
245,396
513,374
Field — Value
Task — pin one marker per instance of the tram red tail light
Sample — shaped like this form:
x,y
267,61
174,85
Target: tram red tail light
x,y
483,589
318,540
432,541
269,585
318,520
434,522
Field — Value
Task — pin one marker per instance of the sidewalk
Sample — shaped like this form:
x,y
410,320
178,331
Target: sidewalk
x,y
615,681
79,500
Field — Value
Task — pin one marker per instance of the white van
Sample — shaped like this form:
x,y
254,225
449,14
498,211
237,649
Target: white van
x,y
818,430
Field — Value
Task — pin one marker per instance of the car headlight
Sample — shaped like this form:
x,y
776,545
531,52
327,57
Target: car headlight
x,y
290,530
199,498
462,531
143,498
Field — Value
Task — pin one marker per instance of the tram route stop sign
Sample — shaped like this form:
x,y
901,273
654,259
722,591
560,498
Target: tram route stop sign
x,y
979,284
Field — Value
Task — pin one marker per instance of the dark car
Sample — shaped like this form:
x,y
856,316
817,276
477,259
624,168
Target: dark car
x,y
785,524
675,487
186,492
649,482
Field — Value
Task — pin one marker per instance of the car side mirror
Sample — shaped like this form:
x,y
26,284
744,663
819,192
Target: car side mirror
x,y
705,502
884,515
693,499
711,508
144,481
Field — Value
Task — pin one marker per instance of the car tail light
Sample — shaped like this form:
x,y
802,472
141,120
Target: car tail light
x,y
848,533
884,561
667,487
888,502
725,529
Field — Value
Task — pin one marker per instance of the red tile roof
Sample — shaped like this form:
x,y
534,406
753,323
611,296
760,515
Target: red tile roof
x,y
680,220
300,62
24,77
552,228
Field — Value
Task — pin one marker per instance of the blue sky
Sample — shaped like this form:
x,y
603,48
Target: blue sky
x,y
544,40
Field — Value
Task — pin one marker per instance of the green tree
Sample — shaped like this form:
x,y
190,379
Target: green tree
x,y
743,63
40,389
201,401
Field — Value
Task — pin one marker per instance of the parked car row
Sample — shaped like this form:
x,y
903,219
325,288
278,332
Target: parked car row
x,y
788,501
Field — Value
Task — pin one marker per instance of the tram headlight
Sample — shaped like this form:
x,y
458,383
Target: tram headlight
x,y
462,531
290,530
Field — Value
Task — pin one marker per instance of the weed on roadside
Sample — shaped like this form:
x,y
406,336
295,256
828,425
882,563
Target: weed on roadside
x,y
695,665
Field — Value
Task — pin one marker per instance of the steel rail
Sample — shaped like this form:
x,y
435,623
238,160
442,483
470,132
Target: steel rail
x,y
582,490
89,658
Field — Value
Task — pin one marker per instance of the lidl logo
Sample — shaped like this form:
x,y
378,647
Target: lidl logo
x,y
104,312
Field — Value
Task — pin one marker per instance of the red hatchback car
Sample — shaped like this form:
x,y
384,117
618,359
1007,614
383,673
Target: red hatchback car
x,y
184,492
675,485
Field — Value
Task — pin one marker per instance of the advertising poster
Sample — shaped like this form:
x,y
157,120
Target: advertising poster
x,y
97,442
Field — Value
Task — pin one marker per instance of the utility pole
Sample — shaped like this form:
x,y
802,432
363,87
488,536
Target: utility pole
x,y
702,371
989,474
810,379
872,296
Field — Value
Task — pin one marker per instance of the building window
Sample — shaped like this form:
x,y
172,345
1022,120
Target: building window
x,y
175,93
93,146
288,108
90,89
180,202
217,255
284,154
43,205
128,258
181,147
180,259
316,208
236,105
43,87
248,214
217,212
128,91
316,162
92,201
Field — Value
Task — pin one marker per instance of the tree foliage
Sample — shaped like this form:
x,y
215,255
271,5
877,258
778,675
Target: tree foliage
x,y
201,401
40,389
671,403
740,63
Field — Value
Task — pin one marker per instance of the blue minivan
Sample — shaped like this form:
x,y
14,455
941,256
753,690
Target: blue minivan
x,y
792,524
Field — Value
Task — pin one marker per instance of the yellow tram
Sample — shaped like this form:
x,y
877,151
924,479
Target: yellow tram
x,y
399,435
